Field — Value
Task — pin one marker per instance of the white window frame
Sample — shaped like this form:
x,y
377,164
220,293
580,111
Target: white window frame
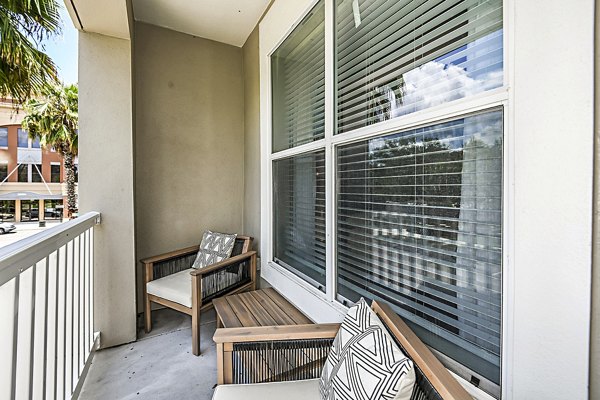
x,y
277,25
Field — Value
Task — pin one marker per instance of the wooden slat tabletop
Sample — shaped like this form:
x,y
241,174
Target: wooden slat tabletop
x,y
263,307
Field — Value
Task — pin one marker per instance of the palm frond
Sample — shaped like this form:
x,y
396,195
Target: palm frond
x,y
24,67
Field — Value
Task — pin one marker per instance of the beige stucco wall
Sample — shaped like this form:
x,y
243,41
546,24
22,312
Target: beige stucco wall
x,y
252,138
10,115
189,139
107,179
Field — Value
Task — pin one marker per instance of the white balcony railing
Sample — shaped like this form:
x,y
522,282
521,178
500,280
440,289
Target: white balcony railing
x,y
46,311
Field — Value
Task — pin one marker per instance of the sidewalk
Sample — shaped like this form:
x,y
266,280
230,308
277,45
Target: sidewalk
x,y
24,229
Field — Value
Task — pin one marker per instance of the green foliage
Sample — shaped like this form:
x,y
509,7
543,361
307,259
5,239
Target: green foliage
x,y
54,120
24,67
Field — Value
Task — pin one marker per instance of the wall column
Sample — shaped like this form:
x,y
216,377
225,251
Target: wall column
x,y
106,172
41,212
17,210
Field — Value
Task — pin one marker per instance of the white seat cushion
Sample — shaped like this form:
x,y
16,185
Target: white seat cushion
x,y
176,287
294,390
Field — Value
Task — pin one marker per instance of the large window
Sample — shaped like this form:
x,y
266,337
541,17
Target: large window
x,y
23,173
419,224
36,173
388,178
299,219
3,137
22,138
396,58
55,173
298,68
53,209
7,210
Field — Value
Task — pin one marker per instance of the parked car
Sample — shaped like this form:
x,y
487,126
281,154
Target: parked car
x,y
6,227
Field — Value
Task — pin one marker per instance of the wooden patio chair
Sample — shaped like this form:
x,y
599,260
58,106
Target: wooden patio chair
x,y
285,361
170,280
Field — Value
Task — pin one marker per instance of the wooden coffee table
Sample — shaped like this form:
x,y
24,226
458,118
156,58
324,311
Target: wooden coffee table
x,y
263,307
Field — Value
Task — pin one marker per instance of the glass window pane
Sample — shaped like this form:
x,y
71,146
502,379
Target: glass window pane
x,y
299,215
395,58
55,173
7,210
22,173
30,210
3,172
419,225
53,209
298,78
3,137
22,138
36,173
35,143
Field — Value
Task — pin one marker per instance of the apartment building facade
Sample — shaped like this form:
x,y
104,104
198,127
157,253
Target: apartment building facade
x,y
31,177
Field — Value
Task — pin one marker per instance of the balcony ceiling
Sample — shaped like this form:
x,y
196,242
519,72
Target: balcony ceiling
x,y
226,21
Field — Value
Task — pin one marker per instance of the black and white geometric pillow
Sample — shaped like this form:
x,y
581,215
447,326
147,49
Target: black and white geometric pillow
x,y
365,362
214,247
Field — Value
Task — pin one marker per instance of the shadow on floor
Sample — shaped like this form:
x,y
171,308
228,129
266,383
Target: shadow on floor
x,y
159,365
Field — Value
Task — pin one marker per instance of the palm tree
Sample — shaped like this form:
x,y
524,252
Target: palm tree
x,y
54,120
24,67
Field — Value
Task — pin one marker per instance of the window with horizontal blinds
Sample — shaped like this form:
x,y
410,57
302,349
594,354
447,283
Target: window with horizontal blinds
x,y
298,84
419,225
398,57
299,215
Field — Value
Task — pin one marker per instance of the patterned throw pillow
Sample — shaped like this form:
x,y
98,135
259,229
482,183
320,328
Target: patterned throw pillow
x,y
365,362
214,247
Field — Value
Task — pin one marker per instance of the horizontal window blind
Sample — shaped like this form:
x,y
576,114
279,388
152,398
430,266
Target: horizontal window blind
x,y
394,58
419,225
299,215
298,84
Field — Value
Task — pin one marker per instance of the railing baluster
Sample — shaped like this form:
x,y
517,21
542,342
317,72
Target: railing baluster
x,y
71,363
90,269
13,390
57,290
32,328
64,355
87,287
44,369
78,304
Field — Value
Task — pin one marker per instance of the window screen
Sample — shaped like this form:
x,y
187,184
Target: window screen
x,y
419,225
298,84
398,57
299,215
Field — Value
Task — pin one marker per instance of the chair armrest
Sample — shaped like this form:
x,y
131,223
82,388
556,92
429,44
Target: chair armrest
x,y
272,353
169,255
225,263
275,333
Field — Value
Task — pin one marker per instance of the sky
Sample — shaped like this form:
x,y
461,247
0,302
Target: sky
x,y
63,49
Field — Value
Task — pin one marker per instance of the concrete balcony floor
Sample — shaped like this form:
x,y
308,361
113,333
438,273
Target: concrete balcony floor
x,y
159,365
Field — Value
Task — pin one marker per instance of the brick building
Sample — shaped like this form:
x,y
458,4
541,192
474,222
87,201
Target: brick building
x,y
31,177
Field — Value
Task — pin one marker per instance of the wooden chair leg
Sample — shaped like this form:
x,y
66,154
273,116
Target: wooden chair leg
x,y
148,276
147,313
196,305
196,332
